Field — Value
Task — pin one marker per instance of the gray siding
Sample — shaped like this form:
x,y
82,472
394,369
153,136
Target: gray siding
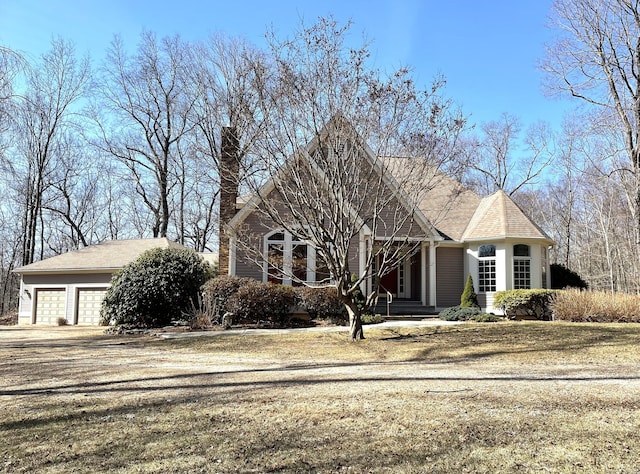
x,y
449,276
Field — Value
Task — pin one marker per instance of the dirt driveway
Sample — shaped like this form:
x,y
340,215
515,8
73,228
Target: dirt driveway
x,y
444,400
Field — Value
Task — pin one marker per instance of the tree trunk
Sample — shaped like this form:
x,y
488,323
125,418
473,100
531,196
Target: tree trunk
x,y
355,322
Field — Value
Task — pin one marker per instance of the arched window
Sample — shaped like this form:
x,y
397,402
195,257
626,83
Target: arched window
x,y
487,268
488,250
288,260
521,267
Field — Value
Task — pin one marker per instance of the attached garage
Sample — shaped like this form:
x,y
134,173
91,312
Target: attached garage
x,y
88,303
50,305
73,285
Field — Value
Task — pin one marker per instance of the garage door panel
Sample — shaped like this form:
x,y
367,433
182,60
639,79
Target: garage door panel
x,y
89,303
50,306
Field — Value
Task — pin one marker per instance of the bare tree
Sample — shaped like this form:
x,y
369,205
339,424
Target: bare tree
x,y
44,118
497,160
596,59
229,78
332,125
11,64
146,97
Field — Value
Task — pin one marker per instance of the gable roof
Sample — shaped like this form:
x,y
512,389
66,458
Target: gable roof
x,y
106,257
497,216
248,205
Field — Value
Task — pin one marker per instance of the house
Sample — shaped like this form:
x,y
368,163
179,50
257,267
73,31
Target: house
x,y
72,285
461,233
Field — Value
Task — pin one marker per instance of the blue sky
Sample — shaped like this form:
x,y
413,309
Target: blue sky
x,y
486,49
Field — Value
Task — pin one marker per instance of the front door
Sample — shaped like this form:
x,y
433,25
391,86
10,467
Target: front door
x,y
389,283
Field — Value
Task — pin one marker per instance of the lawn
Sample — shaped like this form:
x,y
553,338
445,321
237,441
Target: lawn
x,y
504,397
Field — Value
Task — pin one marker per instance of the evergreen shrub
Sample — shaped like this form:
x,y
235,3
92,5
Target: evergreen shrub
x,y
525,303
322,303
257,302
154,289
459,313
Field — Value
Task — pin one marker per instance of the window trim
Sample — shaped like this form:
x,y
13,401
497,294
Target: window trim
x,y
288,244
483,287
517,282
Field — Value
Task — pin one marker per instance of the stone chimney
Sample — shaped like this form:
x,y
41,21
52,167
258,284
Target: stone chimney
x,y
229,177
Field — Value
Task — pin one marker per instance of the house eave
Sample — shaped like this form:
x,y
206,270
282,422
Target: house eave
x,y
66,271
499,238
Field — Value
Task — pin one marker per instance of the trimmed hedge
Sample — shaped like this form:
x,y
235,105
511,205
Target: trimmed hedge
x,y
257,301
154,289
217,291
322,303
532,303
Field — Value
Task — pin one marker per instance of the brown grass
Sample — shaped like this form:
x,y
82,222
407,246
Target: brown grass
x,y
596,306
525,397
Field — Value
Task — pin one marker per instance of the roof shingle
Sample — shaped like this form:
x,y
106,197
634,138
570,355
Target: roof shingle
x,y
107,256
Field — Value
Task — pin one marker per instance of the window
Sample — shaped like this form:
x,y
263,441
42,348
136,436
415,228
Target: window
x,y
521,274
275,257
487,268
299,263
521,267
487,251
290,261
487,275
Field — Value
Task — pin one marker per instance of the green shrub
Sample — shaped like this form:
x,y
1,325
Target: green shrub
x,y
217,291
459,313
368,318
322,303
257,302
154,289
596,306
562,277
486,318
469,299
528,303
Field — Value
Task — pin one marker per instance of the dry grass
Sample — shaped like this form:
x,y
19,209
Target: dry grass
x,y
525,397
596,306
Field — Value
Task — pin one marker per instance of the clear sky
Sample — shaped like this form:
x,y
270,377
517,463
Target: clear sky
x,y
486,49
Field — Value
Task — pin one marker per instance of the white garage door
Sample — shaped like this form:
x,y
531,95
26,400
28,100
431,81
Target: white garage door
x,y
89,302
50,306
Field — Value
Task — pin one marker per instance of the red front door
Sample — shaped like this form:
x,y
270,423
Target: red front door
x,y
389,282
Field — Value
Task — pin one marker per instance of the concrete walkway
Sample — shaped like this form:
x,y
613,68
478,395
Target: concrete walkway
x,y
384,325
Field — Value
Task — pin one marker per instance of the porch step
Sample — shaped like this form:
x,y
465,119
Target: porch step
x,y
404,308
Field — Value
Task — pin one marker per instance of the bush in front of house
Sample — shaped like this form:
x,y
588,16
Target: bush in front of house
x,y
217,291
322,303
525,303
596,306
469,298
562,277
262,302
459,313
154,289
